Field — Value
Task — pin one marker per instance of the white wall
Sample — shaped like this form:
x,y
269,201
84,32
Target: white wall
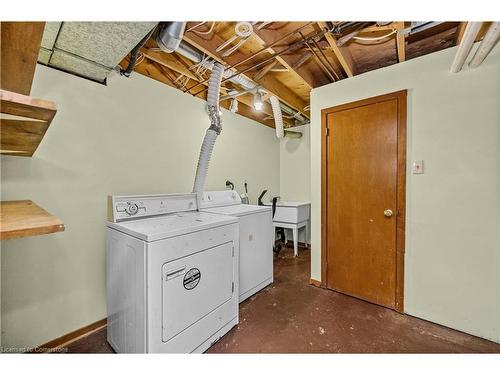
x,y
136,136
452,258
295,166
295,170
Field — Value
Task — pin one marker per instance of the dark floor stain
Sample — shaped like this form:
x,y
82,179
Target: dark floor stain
x,y
291,316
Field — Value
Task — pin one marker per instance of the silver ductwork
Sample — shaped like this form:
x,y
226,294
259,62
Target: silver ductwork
x,y
170,36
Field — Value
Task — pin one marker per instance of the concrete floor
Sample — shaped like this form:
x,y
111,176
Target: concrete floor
x,y
291,316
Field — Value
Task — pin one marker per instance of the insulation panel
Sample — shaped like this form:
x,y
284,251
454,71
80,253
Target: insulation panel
x,y
74,64
90,49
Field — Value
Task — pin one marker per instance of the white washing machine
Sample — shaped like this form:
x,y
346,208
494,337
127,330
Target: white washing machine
x,y
256,238
172,274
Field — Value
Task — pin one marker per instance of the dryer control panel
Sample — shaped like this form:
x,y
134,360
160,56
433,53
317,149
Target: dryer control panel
x,y
129,207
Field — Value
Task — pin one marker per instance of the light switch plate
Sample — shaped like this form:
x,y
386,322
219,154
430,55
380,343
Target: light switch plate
x,y
418,167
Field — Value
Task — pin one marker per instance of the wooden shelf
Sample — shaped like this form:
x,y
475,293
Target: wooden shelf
x,y
23,123
24,218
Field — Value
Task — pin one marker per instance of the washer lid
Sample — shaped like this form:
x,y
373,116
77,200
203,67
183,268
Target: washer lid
x,y
238,210
161,227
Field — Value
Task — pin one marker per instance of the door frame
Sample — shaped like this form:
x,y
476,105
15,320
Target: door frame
x,y
401,97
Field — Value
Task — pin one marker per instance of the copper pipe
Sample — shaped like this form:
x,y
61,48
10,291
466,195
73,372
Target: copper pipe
x,y
326,60
318,59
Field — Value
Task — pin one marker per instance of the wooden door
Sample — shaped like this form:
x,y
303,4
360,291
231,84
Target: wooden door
x,y
363,198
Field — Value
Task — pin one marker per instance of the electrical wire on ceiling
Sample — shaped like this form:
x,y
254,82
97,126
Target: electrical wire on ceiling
x,y
193,29
140,59
264,24
376,38
202,66
242,31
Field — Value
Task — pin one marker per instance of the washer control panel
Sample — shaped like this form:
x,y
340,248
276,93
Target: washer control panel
x,y
122,208
211,199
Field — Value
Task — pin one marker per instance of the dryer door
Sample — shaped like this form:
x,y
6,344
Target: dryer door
x,y
194,286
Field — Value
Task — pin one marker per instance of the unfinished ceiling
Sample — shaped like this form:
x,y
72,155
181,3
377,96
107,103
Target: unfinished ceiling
x,y
90,49
284,59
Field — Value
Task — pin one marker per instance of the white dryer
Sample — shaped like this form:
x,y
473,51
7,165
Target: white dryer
x,y
172,274
256,238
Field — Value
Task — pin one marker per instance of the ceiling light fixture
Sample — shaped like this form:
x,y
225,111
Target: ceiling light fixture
x,y
258,104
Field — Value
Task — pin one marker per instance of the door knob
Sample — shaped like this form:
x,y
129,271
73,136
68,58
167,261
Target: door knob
x,y
388,213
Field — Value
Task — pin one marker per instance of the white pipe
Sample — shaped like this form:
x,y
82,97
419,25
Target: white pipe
x,y
278,119
465,46
214,86
213,131
486,45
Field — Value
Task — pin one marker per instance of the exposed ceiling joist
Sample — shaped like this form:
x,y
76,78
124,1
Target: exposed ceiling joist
x,y
401,42
266,69
168,61
376,28
287,61
344,57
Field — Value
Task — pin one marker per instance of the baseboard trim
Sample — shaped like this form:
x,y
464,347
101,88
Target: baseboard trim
x,y
315,282
70,337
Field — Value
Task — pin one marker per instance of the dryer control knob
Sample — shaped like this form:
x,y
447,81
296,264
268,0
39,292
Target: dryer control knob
x,y
132,209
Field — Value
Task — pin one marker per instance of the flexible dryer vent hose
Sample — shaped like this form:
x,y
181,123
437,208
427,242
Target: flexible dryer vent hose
x,y
278,119
213,131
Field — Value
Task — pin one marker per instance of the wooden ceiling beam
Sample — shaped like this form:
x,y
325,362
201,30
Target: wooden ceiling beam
x,y
375,28
168,61
270,83
341,53
286,60
401,42
460,32
303,71
266,69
